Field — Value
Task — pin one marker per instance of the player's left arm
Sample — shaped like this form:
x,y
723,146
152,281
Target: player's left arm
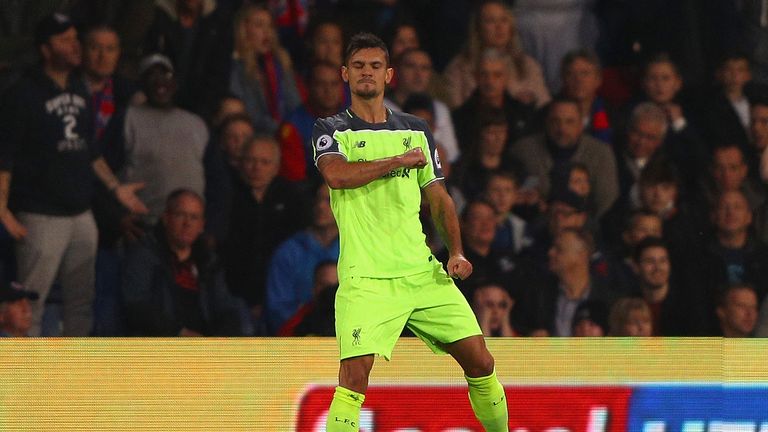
x,y
447,223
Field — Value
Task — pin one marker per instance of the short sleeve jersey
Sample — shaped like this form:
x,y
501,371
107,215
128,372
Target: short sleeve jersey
x,y
379,228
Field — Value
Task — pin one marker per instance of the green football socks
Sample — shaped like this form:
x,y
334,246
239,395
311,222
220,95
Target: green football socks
x,y
486,395
344,414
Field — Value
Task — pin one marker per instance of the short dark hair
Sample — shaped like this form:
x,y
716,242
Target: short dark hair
x,y
657,172
582,53
561,100
661,57
365,40
647,243
419,101
724,291
176,194
465,211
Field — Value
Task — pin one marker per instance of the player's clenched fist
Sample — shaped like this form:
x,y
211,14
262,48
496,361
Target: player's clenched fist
x,y
459,267
414,158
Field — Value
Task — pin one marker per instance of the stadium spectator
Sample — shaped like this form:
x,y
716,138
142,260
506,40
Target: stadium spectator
x,y
164,144
511,230
316,317
110,94
582,76
266,210
292,267
564,142
590,319
221,162
172,284
493,26
493,306
15,310
415,75
550,307
46,147
489,153
737,311
761,329
325,98
729,172
641,144
262,75
490,94
227,106
677,308
734,254
630,316
196,36
726,110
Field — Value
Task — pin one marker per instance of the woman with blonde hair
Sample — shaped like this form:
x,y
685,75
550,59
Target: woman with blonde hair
x,y
493,26
630,316
262,74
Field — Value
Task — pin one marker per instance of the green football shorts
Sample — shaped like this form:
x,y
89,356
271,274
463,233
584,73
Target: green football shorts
x,y
371,313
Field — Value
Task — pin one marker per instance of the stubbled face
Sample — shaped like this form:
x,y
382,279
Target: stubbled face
x,y
102,52
654,267
160,86
581,80
367,73
662,83
495,26
564,125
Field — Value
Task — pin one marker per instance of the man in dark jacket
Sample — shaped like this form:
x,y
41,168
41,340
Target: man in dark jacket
x,y
172,284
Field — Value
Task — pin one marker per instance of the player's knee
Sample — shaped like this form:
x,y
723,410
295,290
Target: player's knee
x,y
482,366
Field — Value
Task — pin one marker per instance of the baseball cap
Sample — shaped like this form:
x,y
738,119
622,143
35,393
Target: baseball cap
x,y
15,291
154,60
52,25
592,310
569,198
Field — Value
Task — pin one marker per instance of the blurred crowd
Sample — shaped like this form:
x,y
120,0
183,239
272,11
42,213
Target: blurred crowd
x,y
608,159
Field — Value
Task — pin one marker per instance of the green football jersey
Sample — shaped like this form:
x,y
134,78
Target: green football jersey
x,y
379,228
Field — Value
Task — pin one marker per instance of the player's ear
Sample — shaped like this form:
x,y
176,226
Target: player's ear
x,y
344,74
390,74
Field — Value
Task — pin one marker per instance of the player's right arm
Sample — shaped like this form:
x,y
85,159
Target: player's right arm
x,y
339,173
14,227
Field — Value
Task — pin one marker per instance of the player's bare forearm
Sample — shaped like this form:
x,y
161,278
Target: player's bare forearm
x,y
341,174
444,217
105,174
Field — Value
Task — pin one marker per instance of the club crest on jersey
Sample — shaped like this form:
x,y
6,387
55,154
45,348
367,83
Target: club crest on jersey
x,y
323,142
437,160
407,143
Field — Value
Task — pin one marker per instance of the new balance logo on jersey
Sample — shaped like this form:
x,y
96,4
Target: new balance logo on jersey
x,y
407,143
360,144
